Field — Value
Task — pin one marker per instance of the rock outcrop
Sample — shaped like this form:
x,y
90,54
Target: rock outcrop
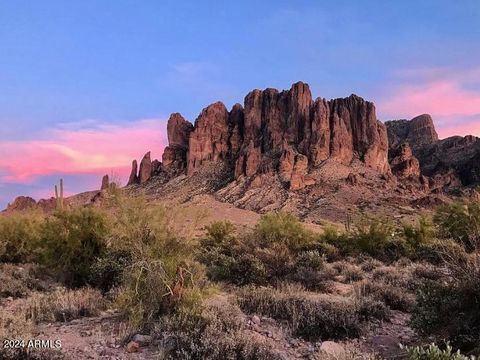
x,y
286,132
300,133
403,163
209,138
418,132
133,178
148,168
22,203
145,171
174,158
448,163
105,183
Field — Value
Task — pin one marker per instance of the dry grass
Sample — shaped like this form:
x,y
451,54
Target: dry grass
x,y
64,305
309,315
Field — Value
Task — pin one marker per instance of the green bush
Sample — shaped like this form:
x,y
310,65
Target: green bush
x,y
433,352
460,222
19,236
373,237
423,233
277,246
282,228
71,241
107,271
163,276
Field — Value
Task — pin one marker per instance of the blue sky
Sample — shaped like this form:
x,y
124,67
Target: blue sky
x,y
87,65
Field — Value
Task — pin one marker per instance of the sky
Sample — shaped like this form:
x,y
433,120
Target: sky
x,y
86,86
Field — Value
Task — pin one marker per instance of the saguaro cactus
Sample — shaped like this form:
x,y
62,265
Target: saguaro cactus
x,y
59,196
348,223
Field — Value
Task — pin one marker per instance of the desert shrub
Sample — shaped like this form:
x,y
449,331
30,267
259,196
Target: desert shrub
x,y
107,271
309,317
460,222
282,228
433,352
314,280
19,280
369,308
277,247
373,237
19,236
392,275
422,233
396,298
163,275
71,241
217,333
352,272
368,264
450,307
64,305
434,251
311,259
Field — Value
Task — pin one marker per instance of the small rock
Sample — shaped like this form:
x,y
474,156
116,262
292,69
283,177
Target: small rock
x,y
332,348
256,319
142,339
132,347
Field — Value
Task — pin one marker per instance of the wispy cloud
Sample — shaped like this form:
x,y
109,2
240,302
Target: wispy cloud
x,y
90,147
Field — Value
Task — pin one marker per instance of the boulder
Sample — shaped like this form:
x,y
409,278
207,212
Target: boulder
x,y
333,349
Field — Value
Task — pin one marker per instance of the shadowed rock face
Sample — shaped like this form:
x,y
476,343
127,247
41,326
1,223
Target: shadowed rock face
x,y
450,162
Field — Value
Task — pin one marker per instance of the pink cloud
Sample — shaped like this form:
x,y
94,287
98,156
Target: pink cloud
x,y
450,128
98,149
449,96
441,98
